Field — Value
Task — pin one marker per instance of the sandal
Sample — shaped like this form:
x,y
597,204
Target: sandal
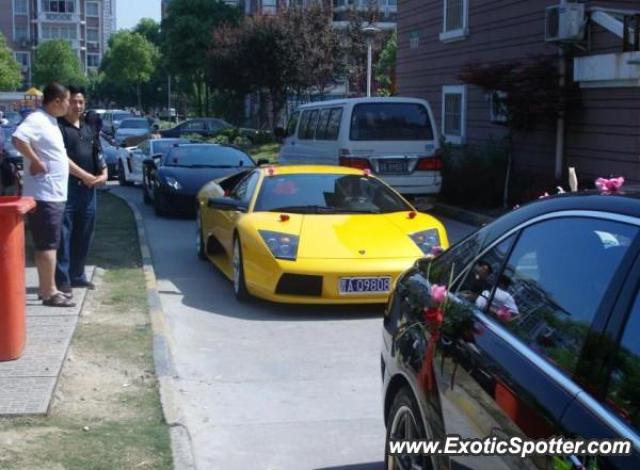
x,y
68,295
58,300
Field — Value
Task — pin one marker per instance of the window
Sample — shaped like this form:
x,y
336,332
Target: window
x,y
293,122
20,7
323,120
269,6
498,108
92,9
454,113
92,35
22,58
390,121
455,260
456,20
21,33
59,6
557,275
194,126
622,394
93,60
414,39
245,188
59,32
308,131
333,126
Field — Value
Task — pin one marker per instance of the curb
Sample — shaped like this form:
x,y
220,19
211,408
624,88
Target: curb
x,y
462,215
181,441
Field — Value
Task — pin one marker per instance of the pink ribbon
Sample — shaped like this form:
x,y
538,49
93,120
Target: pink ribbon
x,y
610,185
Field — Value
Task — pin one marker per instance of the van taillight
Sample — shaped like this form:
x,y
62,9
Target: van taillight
x,y
359,163
430,163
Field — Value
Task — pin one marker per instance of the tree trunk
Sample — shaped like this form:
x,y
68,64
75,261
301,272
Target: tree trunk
x,y
138,91
206,100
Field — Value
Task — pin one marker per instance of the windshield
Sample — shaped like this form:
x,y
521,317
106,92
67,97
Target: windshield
x,y
328,194
213,156
390,121
163,146
134,124
121,116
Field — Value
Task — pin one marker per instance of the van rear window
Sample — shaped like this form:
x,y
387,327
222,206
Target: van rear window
x,y
390,121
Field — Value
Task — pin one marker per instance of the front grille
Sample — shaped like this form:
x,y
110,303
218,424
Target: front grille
x,y
300,284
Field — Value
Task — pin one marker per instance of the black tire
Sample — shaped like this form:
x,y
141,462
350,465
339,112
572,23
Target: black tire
x,y
239,286
200,248
404,407
145,191
121,177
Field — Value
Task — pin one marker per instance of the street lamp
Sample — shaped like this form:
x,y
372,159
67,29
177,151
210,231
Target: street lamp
x,y
369,32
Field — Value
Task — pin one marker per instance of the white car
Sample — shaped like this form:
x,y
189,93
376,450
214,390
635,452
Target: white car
x,y
394,138
131,159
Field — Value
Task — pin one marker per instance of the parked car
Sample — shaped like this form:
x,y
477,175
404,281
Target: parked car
x,y
396,138
173,181
206,127
13,118
131,131
311,234
110,154
112,118
10,152
131,167
540,337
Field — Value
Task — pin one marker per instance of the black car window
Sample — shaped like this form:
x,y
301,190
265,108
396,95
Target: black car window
x,y
456,259
482,283
245,188
623,394
293,122
208,155
193,126
557,275
308,131
323,121
333,127
304,120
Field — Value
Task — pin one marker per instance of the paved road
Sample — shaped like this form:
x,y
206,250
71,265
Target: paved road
x,y
266,386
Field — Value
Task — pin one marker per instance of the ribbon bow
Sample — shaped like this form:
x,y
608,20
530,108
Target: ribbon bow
x,y
610,185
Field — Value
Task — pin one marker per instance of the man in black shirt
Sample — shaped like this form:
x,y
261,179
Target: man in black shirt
x,y
83,148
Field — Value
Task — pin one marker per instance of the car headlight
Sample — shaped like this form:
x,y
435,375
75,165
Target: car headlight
x,y
281,245
172,183
426,239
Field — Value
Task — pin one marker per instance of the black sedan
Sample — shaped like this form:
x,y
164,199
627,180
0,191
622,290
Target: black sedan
x,y
172,182
539,336
206,127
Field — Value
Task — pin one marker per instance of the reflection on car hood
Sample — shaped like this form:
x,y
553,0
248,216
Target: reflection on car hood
x,y
128,131
192,179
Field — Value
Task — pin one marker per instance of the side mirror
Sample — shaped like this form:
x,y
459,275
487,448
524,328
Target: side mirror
x,y
262,161
280,132
156,156
149,162
227,204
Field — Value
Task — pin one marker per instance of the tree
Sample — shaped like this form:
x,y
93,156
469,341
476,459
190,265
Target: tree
x,y
130,60
56,61
386,67
150,29
10,76
186,38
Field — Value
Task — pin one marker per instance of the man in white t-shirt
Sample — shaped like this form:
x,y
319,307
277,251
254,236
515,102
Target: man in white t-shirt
x,y
46,174
503,303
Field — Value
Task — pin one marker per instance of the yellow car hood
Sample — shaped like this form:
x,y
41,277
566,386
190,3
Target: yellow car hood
x,y
362,236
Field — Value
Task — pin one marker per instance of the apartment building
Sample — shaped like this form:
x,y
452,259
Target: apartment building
x,y
437,38
85,24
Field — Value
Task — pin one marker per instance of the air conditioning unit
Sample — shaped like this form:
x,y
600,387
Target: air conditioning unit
x,y
565,23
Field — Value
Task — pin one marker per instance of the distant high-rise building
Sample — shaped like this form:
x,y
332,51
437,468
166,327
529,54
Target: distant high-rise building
x,y
85,24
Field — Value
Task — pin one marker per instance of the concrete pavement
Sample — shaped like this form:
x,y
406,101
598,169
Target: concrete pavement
x,y
264,386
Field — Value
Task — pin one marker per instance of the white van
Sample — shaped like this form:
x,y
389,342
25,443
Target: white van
x,y
396,138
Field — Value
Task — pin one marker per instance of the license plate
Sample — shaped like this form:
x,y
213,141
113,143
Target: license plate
x,y
364,285
392,166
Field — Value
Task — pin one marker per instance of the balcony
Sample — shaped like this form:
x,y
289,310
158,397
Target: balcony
x,y
54,17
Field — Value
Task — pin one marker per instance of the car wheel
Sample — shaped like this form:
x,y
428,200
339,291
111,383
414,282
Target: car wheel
x,y
239,286
121,176
199,238
145,190
404,423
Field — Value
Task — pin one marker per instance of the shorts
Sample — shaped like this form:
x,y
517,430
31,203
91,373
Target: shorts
x,y
45,223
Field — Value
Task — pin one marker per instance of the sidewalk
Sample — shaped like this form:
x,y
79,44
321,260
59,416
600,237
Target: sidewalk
x,y
27,384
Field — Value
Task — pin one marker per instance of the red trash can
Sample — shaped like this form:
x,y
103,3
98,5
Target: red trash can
x,y
12,268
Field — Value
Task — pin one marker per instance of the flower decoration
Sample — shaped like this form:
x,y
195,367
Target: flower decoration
x,y
436,250
609,185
